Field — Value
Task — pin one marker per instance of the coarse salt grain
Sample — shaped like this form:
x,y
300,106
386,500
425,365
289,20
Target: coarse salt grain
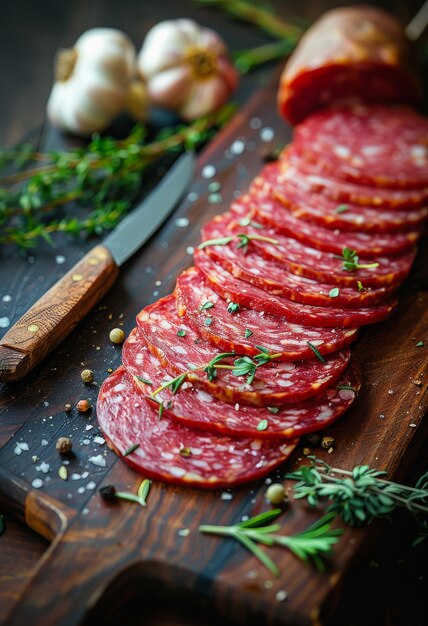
x,y
182,222
226,496
281,595
208,171
98,460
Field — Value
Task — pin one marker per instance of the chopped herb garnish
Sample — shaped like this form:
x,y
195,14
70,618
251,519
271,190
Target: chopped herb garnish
x,y
208,321
221,241
144,380
243,241
316,352
131,449
160,411
347,387
185,451
342,208
262,425
181,333
310,545
177,383
361,286
248,333
232,307
333,293
140,498
273,409
207,305
350,261
247,221
420,344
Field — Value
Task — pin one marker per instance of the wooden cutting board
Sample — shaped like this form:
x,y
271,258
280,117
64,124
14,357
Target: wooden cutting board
x,y
104,555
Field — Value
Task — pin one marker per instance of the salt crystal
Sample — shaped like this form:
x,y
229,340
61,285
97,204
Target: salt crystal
x,y
226,496
190,250
237,147
81,490
7,298
60,259
192,196
37,483
281,595
88,427
255,123
267,134
44,442
76,476
85,474
182,222
268,584
21,447
99,440
208,171
43,467
4,322
183,532
91,485
98,460
412,425
86,442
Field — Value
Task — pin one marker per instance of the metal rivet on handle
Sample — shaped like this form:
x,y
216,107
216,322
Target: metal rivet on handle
x,y
33,328
94,261
77,277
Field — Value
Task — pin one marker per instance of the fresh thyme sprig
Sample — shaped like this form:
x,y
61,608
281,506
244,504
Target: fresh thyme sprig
x,y
351,261
105,176
310,545
242,366
360,495
109,493
242,238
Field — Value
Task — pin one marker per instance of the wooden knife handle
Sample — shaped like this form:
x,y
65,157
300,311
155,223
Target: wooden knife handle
x,y
57,312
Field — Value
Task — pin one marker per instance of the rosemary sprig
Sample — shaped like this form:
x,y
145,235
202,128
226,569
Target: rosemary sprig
x,y
106,176
351,261
360,495
242,366
242,238
310,545
140,497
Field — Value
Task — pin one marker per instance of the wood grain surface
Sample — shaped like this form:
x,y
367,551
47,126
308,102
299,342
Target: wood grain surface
x,y
108,558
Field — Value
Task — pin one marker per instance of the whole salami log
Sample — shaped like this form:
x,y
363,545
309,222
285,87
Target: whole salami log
x,y
369,145
181,351
303,260
173,453
353,53
238,329
195,408
273,277
231,288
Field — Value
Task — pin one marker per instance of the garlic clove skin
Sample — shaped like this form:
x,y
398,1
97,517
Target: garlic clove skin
x,y
186,68
93,80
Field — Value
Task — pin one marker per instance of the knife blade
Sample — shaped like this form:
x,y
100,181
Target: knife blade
x,y
58,311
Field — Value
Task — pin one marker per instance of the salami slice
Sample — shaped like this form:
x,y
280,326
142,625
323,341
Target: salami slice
x,y
305,175
180,350
376,145
195,408
247,295
271,276
270,211
304,260
173,453
318,209
238,329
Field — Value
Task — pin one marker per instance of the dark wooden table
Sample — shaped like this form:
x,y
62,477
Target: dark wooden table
x,y
386,587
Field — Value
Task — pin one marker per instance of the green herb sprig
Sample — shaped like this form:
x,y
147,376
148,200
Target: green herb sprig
x,y
310,545
351,261
358,496
140,497
242,238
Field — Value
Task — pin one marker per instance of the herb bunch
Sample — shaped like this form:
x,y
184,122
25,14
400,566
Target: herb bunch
x,y
358,496
103,179
310,545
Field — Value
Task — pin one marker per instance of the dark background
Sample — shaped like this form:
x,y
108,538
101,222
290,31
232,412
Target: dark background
x,y
387,586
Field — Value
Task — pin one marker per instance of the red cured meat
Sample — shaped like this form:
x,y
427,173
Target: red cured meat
x,y
195,408
316,208
371,145
240,331
231,288
305,175
271,275
307,261
274,383
268,210
173,453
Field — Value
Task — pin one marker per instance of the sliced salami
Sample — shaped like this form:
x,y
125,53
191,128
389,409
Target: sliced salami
x,y
271,276
376,145
238,329
173,453
270,211
304,260
318,209
306,175
247,295
180,350
195,408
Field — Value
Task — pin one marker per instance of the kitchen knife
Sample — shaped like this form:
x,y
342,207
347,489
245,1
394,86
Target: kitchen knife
x,y
58,311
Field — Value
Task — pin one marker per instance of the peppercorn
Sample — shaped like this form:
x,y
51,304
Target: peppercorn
x,y
83,406
87,376
275,493
108,492
117,335
64,445
327,442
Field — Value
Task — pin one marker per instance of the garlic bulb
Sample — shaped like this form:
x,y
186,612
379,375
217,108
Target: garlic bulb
x,y
92,81
137,100
186,68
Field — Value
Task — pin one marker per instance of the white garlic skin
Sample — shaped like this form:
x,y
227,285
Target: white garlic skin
x,y
96,90
186,68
